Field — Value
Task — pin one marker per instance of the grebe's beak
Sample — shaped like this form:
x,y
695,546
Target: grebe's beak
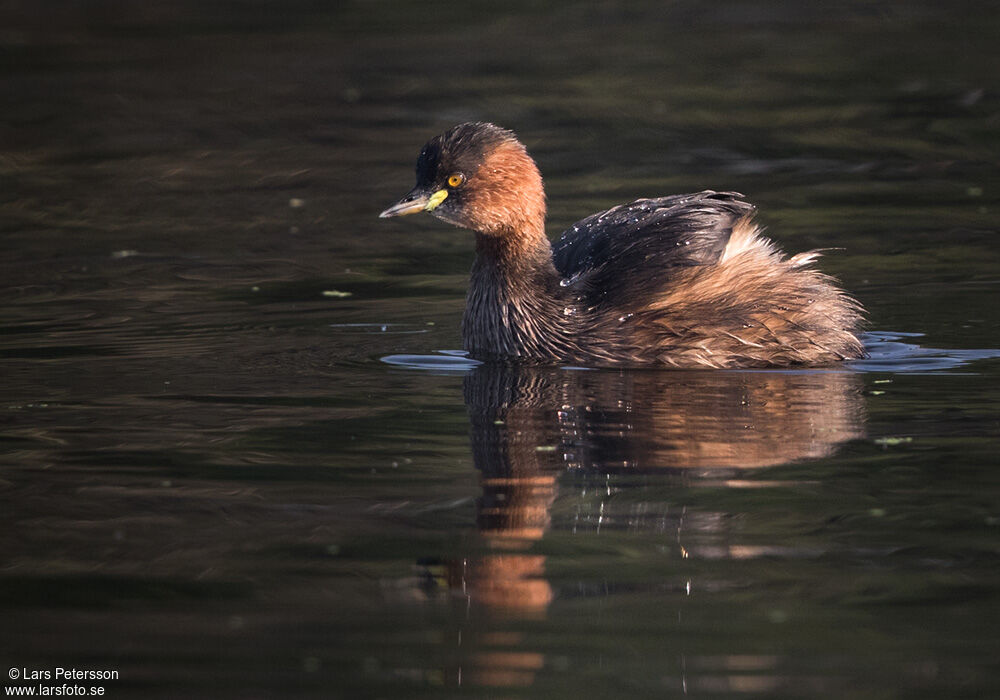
x,y
416,201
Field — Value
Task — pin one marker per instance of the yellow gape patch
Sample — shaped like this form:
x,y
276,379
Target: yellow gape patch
x,y
435,200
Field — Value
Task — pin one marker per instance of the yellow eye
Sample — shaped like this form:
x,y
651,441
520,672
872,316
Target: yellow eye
x,y
456,179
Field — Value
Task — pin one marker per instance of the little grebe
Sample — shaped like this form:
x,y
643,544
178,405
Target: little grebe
x,y
684,281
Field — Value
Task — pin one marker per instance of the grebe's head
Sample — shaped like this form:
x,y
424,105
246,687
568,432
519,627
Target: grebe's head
x,y
480,177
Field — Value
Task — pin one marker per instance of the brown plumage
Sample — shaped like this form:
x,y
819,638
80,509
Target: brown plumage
x,y
683,281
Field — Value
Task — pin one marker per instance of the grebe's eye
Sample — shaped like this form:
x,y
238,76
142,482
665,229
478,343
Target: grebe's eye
x,y
456,179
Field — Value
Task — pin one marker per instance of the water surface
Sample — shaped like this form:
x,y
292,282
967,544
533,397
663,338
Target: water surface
x,y
241,456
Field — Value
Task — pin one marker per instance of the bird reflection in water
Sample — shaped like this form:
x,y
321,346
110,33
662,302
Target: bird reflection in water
x,y
531,424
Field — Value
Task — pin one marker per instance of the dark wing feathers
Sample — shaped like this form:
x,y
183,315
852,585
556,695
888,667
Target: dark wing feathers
x,y
632,245
680,230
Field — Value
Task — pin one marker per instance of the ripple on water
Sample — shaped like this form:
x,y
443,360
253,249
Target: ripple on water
x,y
393,328
445,361
887,352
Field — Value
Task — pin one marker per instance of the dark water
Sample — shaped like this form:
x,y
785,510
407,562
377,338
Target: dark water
x,y
239,460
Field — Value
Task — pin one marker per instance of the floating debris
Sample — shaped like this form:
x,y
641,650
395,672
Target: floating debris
x,y
335,293
892,441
